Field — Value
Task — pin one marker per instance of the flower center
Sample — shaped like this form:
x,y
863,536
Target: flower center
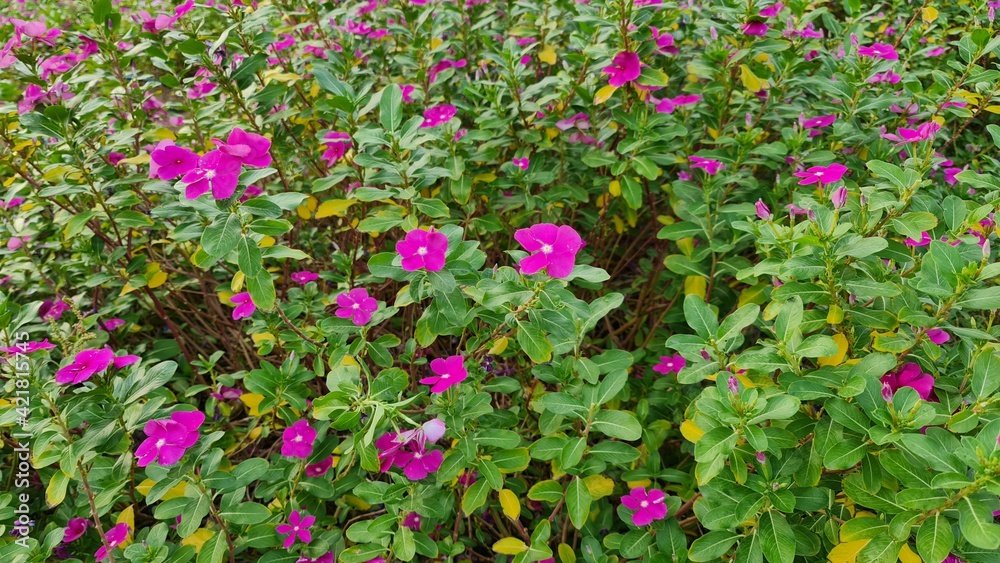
x,y
298,438
422,251
160,443
355,306
210,174
546,249
643,504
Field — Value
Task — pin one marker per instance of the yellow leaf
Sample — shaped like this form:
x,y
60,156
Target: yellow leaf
x,y
137,159
838,358
556,472
176,492
714,133
686,246
487,177
252,401
929,14
158,279
305,210
603,94
742,378
510,546
266,241
846,552
436,42
198,539
691,431
499,345
750,80
511,506
835,315
906,555
128,517
126,289
615,188
566,554
278,76
992,109
619,224
639,483
164,133
237,284
599,486
55,492
695,285
145,487
762,58
261,337
334,207
548,55
224,298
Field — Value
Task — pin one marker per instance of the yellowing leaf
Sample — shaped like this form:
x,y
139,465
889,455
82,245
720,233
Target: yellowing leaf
x,y
436,42
511,506
261,337
750,80
599,486
929,14
838,358
252,401
356,502
499,345
126,289
686,246
618,223
487,177
127,516
266,241
566,554
695,285
548,55
198,539
138,159
992,109
714,133
55,492
639,483
846,552
158,279
334,207
906,555
237,284
176,492
510,546
615,188
145,487
278,76
305,210
691,431
603,94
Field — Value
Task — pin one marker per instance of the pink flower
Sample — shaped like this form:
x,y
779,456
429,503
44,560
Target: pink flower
x,y
666,105
646,507
408,92
226,393
553,247
910,375
580,121
124,361
443,66
925,239
245,306
168,161
304,277
32,94
670,364
763,212
817,122
319,469
169,438
687,99
710,166
521,163
35,31
297,440
251,149
28,347
357,28
624,68
85,365
772,10
113,323
756,29
922,133
449,372
951,173
664,41
14,243
75,528
325,558
883,51
422,248
216,171
115,537
297,527
419,463
436,115
356,305
938,336
337,145
839,197
412,521
936,52
822,174
51,311
201,88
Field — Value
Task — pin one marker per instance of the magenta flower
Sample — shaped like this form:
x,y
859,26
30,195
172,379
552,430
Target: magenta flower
x,y
216,172
325,558
443,66
319,469
687,99
113,323
436,115
251,149
304,277
168,161
356,305
521,163
419,463
35,31
226,393
449,372
297,527
772,10
664,41
408,92
297,440
28,347
756,29
337,146
710,166
883,51
624,68
817,122
646,507
115,537
733,385
201,88
670,364
124,361
938,336
906,135
580,121
910,375
763,212
245,306
85,365
169,438
925,239
412,521
52,310
422,248
822,174
553,247
75,528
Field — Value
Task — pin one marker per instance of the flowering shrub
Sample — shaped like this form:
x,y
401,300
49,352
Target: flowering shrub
x,y
618,280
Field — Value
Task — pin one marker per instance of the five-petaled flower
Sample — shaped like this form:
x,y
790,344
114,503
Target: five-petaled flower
x,y
825,175
168,439
85,365
297,440
710,166
436,115
245,306
448,372
646,507
423,248
297,527
884,51
624,68
356,305
553,248
113,538
670,364
910,375
217,172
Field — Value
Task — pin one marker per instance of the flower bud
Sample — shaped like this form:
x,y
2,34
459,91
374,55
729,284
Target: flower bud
x,y
762,211
839,197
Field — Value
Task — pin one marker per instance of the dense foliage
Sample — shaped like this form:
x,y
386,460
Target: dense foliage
x,y
436,280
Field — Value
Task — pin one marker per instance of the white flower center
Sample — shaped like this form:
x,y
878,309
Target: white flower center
x,y
445,376
355,306
422,251
210,174
643,504
298,438
546,249
160,443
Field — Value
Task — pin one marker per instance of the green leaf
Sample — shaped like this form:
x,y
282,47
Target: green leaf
x,y
632,192
617,424
261,288
888,171
246,513
475,496
988,298
711,546
700,317
222,236
976,522
248,257
391,108
844,454
634,543
935,539
734,324
564,404
578,501
777,538
532,340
